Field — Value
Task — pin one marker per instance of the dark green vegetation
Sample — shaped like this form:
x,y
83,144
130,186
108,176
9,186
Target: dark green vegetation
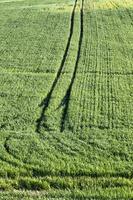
x,y
66,83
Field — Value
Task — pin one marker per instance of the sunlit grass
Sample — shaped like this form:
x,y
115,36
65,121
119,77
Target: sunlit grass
x,y
110,4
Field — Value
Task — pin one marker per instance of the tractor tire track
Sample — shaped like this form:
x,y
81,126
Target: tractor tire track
x,y
66,99
45,103
8,149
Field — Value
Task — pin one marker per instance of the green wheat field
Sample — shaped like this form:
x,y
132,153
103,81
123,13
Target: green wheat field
x,y
66,99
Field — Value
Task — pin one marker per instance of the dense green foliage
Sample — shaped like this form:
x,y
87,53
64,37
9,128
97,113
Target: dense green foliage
x,y
66,99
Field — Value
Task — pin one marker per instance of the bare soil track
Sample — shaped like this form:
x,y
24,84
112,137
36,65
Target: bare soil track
x,y
66,98
45,103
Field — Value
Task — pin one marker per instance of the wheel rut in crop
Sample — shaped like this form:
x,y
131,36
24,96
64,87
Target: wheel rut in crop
x,y
66,99
45,103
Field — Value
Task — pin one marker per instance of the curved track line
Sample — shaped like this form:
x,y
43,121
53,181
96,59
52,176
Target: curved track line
x,y
45,103
15,163
66,99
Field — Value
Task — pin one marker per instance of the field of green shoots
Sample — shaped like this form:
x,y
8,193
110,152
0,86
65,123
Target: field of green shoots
x,y
66,99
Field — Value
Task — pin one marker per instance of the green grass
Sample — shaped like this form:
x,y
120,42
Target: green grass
x,y
66,118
